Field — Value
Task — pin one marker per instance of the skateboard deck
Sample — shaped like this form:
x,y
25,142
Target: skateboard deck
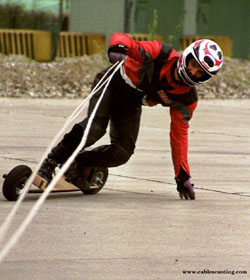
x,y
14,182
61,186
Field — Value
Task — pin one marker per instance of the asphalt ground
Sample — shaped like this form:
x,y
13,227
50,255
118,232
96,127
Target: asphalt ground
x,y
136,227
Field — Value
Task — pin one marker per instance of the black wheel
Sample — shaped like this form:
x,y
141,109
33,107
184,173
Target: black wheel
x,y
15,181
99,180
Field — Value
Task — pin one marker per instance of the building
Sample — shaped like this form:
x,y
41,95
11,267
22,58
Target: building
x,y
170,18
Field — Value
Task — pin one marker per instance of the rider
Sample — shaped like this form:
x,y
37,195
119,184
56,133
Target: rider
x,y
152,73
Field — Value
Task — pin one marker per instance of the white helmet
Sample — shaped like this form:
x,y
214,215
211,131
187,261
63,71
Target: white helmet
x,y
208,55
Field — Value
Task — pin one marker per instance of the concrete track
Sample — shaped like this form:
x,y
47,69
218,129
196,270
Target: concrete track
x,y
136,227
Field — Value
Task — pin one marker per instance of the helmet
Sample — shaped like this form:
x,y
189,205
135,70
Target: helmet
x,y
208,55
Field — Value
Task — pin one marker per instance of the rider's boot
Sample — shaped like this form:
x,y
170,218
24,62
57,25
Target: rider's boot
x,y
58,155
78,175
47,169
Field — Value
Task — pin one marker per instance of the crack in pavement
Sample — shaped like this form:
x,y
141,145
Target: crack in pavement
x,y
148,180
163,182
218,133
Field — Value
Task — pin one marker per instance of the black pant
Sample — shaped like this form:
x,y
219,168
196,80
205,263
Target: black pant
x,y
121,105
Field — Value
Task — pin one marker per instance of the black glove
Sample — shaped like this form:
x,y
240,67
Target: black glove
x,y
114,57
186,189
117,53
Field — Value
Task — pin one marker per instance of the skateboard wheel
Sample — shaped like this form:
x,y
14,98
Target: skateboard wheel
x,y
15,181
99,180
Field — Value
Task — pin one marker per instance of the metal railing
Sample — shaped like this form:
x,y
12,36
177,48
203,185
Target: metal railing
x,y
72,44
226,43
31,43
36,44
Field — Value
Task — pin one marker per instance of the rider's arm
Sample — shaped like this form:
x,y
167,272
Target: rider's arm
x,y
138,50
179,139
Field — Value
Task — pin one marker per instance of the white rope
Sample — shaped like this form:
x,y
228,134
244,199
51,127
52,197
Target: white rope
x,y
7,222
94,90
15,237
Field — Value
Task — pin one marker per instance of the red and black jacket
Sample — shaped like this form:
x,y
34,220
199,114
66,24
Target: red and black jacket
x,y
149,67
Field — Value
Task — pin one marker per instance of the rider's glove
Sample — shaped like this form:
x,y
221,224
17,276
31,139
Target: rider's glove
x,y
186,189
117,53
114,57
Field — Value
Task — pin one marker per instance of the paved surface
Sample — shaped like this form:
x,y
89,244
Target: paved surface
x,y
136,227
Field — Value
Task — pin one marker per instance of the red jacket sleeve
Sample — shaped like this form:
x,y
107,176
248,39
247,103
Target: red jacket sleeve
x,y
179,139
152,48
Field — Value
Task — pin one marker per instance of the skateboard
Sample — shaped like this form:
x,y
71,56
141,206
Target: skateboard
x,y
15,180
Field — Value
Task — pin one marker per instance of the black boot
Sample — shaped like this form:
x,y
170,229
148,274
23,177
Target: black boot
x,y
77,176
47,169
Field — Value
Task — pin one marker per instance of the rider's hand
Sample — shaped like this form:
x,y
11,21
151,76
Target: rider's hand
x,y
114,57
117,53
186,190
